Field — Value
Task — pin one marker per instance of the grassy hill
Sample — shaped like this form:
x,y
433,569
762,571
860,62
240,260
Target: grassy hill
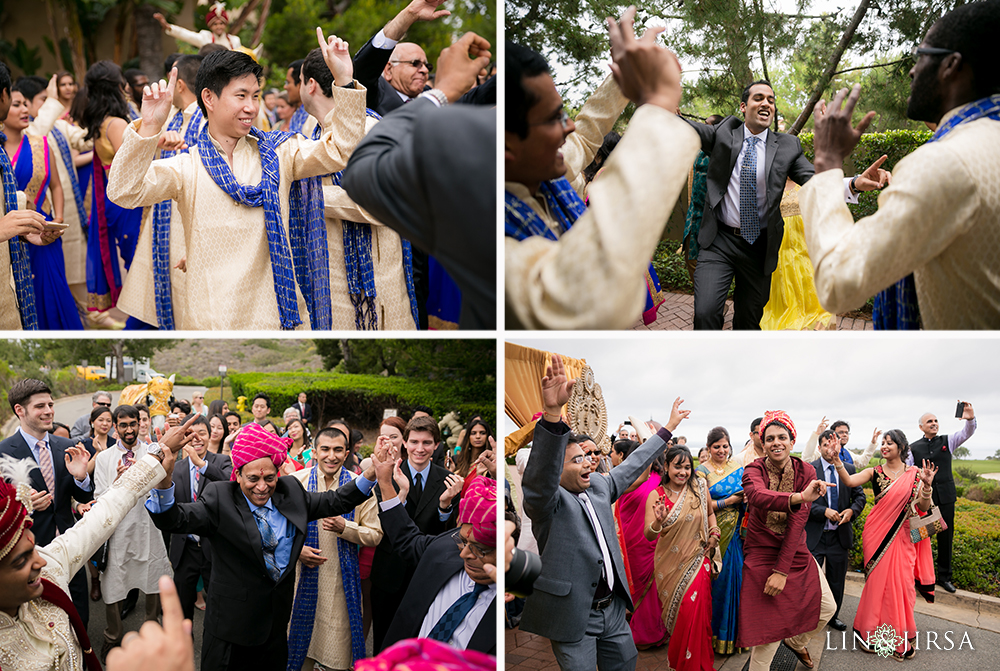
x,y
200,358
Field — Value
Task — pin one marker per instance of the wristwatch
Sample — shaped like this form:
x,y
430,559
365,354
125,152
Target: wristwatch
x,y
155,450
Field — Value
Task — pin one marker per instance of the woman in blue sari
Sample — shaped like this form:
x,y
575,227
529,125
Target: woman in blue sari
x,y
725,485
32,160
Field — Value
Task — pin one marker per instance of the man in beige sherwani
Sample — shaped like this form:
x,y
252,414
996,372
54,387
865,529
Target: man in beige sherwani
x,y
331,641
940,219
40,629
592,277
392,301
230,265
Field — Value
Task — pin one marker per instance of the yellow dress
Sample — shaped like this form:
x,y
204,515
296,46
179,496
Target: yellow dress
x,y
793,304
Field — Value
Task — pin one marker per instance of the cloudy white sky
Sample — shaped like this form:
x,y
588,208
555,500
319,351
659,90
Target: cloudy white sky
x,y
729,379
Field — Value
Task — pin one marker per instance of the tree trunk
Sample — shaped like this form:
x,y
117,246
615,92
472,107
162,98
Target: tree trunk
x,y
118,352
74,33
831,67
259,31
124,13
237,25
149,36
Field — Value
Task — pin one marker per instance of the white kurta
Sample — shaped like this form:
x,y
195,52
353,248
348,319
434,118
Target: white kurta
x,y
228,265
581,281
940,220
41,638
137,556
202,37
331,637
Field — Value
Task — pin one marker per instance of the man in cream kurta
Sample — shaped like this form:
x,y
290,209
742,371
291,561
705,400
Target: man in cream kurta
x,y
331,636
40,637
592,277
940,218
228,264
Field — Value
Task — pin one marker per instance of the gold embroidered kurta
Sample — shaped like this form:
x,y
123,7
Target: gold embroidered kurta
x,y
940,220
331,637
228,265
10,315
583,281
392,302
41,638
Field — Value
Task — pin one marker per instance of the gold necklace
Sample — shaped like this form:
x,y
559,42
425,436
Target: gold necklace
x,y
719,471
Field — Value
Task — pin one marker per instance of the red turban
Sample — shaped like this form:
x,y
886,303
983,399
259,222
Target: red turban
x,y
779,416
217,11
15,501
423,654
254,442
478,507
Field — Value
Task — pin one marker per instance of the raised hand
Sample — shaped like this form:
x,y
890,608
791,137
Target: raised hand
x,y
177,437
927,473
337,58
53,88
834,137
645,71
486,463
968,412
162,20
676,415
426,10
556,388
192,454
821,427
453,487
875,434
660,510
157,99
459,65
874,177
401,481
77,459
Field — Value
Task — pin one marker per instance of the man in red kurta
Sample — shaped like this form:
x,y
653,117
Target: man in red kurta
x,y
784,594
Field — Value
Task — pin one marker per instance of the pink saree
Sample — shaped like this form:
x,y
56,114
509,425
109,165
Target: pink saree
x,y
893,563
637,552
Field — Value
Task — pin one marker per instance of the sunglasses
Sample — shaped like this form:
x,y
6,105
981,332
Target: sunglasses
x,y
416,63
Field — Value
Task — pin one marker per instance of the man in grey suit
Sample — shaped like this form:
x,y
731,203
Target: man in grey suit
x,y
744,241
581,597
430,175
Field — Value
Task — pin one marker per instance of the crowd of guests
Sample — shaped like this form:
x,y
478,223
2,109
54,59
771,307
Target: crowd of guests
x,y
111,161
270,527
797,257
743,547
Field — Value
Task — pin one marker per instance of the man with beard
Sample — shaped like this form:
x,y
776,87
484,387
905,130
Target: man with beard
x,y
136,554
940,219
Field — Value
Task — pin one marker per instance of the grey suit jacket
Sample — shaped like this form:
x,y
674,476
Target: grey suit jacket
x,y
430,175
571,557
783,158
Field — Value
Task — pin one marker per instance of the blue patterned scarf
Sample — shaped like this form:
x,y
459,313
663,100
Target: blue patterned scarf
x,y
266,195
71,169
307,594
522,222
19,259
298,120
896,307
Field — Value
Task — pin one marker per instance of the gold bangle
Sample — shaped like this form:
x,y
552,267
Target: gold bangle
x,y
656,531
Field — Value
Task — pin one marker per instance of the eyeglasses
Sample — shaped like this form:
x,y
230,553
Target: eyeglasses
x,y
579,459
477,549
917,52
416,63
563,119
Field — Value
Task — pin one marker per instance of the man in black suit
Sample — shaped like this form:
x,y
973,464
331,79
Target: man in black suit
x,y
430,503
53,482
305,410
451,598
744,241
191,555
257,525
829,530
430,175
938,450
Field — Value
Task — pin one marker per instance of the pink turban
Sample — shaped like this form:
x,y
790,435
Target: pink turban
x,y
254,442
779,416
424,654
478,507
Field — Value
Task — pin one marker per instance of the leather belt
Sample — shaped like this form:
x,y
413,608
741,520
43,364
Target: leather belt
x,y
601,604
735,232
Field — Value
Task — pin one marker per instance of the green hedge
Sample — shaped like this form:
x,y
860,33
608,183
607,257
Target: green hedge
x,y
895,144
362,398
975,551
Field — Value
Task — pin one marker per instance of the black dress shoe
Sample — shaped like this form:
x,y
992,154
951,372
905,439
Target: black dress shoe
x,y
130,602
837,624
948,587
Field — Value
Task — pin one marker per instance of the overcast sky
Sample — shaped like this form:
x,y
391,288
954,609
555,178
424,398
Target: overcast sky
x,y
729,379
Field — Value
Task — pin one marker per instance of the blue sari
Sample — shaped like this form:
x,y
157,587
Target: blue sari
x,y
726,586
444,299
53,300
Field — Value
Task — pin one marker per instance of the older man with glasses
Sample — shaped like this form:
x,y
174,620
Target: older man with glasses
x,y
81,427
940,219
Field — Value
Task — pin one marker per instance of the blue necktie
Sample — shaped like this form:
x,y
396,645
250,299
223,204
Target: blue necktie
x,y
749,219
446,626
269,542
834,496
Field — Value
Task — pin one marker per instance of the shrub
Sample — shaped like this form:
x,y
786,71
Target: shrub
x,y
976,548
